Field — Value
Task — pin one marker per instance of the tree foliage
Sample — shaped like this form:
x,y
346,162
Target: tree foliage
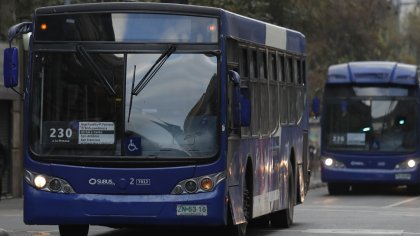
x,y
336,31
412,35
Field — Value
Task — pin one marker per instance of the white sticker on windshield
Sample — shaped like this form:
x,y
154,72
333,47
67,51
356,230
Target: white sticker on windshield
x,y
96,133
356,139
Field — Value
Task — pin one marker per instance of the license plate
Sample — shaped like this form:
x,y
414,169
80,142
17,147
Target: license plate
x,y
191,210
403,176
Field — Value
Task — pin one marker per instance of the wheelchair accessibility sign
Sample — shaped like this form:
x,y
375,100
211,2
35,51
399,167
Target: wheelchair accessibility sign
x,y
133,146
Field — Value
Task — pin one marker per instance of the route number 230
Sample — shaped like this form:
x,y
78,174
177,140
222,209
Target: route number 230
x,y
60,133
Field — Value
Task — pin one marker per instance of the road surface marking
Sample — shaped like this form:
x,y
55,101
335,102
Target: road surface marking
x,y
402,202
354,231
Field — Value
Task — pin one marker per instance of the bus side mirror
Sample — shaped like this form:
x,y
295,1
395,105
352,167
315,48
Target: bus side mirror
x,y
242,105
11,60
10,67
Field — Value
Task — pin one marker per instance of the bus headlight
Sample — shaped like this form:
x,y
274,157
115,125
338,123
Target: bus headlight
x,y
47,183
199,184
40,181
332,163
407,164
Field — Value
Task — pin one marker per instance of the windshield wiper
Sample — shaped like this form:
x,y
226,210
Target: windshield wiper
x,y
148,76
131,97
95,68
153,70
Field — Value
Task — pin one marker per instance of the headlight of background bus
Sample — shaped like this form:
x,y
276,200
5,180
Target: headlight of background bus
x,y
199,184
47,183
332,163
407,164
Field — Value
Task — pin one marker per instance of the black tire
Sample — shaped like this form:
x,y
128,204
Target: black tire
x,y
338,189
73,230
284,218
237,230
260,222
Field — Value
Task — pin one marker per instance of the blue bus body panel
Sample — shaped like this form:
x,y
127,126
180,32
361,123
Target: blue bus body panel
x,y
372,72
47,208
110,196
100,180
370,176
370,169
258,32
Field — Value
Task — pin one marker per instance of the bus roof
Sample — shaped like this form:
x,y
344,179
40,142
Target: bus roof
x,y
260,32
235,26
372,72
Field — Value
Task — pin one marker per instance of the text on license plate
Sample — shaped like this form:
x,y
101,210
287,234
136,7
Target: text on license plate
x,y
191,210
403,176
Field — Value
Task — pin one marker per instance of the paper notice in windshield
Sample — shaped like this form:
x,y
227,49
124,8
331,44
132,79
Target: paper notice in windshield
x,y
96,133
356,139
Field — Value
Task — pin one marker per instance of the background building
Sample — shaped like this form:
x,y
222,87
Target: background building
x,y
11,134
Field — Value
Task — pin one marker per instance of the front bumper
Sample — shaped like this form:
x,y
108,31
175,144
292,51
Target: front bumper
x,y
348,175
46,208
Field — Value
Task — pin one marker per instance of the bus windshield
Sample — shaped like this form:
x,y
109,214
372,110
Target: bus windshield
x,y
174,116
385,121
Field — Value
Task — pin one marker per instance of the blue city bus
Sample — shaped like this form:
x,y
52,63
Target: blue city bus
x,y
161,114
370,125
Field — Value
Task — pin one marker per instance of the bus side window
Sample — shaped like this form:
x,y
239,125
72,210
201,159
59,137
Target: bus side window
x,y
303,71
290,67
244,68
253,67
292,90
282,68
255,94
273,92
263,64
299,91
243,63
299,71
283,91
264,93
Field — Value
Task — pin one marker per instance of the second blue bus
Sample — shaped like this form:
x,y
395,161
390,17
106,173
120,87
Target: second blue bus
x,y
370,126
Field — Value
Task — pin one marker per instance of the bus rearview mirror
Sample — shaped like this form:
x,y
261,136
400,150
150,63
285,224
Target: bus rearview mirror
x,y
10,67
242,105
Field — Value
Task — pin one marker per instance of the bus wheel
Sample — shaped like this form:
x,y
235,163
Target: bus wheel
x,y
73,230
284,218
338,189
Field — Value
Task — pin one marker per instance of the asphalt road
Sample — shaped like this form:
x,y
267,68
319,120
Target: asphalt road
x,y
373,211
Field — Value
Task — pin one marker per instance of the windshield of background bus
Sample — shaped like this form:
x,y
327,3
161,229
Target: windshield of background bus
x,y
383,122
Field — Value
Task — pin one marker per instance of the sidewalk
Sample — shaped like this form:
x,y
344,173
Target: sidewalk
x,y
9,203
8,206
